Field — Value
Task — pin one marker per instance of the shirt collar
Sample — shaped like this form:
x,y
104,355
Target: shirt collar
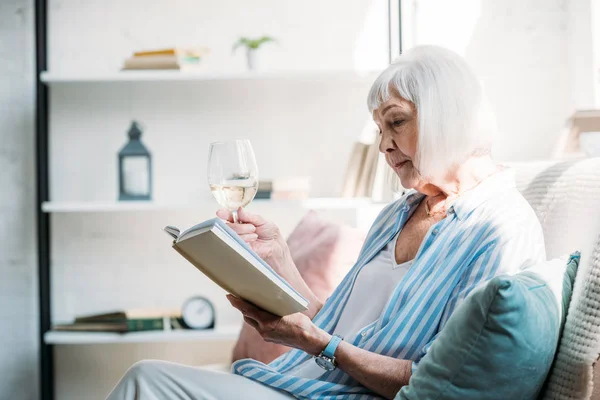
x,y
489,188
413,199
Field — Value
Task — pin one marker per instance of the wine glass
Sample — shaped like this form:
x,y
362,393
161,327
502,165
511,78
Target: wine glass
x,y
232,174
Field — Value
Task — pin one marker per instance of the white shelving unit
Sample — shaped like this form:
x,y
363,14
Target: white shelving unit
x,y
71,338
199,76
76,212
125,206
83,257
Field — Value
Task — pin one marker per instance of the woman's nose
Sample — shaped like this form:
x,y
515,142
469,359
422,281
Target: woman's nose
x,y
386,143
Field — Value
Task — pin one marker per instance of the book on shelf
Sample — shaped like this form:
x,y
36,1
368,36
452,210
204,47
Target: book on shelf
x,y
382,185
170,59
264,190
353,172
289,188
159,62
368,174
122,321
115,326
174,51
220,254
129,314
368,170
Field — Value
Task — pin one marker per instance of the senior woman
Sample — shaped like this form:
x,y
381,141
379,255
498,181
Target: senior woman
x,y
462,223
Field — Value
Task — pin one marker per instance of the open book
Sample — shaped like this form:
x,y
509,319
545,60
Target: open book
x,y
220,254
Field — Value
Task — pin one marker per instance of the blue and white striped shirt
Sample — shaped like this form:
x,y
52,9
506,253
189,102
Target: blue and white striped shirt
x,y
488,231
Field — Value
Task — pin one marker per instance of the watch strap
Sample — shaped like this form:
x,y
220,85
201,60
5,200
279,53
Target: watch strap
x,y
329,351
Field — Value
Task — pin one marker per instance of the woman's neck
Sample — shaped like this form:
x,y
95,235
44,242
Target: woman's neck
x,y
463,178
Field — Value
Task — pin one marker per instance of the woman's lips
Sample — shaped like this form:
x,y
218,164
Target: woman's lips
x,y
400,164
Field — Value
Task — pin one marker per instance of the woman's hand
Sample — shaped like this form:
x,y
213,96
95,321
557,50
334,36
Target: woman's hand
x,y
382,374
295,330
266,240
263,237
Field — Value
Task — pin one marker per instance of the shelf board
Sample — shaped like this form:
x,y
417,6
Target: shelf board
x,y
338,203
108,206
185,76
225,333
331,203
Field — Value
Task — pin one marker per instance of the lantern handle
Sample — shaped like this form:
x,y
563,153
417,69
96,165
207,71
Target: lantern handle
x,y
135,131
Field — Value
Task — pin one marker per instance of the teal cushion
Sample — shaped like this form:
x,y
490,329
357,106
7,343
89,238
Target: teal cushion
x,y
500,342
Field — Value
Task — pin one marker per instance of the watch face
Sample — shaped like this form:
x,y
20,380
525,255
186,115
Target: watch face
x,y
325,363
198,313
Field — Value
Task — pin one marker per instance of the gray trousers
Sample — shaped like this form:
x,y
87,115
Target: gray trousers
x,y
162,380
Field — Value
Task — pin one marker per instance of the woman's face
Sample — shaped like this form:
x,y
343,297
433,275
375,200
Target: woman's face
x,y
397,122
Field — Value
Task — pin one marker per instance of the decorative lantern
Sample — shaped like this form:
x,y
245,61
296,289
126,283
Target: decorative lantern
x,y
135,167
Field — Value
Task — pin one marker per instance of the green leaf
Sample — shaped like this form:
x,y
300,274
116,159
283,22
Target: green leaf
x,y
252,43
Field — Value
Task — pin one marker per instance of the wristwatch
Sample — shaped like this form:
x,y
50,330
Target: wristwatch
x,y
326,359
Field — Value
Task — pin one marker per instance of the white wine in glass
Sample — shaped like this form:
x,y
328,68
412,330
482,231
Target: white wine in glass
x,y
232,174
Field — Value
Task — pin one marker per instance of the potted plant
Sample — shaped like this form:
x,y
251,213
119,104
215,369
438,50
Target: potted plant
x,y
252,46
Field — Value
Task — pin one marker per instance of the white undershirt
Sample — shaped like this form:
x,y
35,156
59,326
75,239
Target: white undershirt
x,y
372,289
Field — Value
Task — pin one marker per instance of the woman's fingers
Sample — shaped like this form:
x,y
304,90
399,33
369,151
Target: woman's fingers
x,y
243,216
248,309
240,304
242,229
254,219
245,230
251,322
225,214
249,237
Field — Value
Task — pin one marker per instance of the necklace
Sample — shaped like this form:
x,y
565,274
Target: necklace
x,y
430,214
428,211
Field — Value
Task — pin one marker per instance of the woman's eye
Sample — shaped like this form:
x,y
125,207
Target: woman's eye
x,y
398,122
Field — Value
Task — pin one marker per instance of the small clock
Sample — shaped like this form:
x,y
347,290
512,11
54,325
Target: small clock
x,y
198,313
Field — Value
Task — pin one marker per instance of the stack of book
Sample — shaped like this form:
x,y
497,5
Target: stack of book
x,y
291,188
123,321
369,175
173,58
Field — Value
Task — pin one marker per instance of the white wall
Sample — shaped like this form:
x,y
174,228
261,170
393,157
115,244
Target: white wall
x,y
312,34
106,261
580,54
19,350
533,57
595,17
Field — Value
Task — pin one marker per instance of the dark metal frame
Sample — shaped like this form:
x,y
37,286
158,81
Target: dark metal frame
x,y
42,195
391,51
400,27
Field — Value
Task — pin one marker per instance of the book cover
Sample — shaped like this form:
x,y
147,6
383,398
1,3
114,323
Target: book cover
x,y
220,254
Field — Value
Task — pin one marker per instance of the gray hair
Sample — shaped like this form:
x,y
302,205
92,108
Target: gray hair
x,y
454,120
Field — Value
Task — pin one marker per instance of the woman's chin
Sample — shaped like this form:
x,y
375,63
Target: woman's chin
x,y
408,183
408,177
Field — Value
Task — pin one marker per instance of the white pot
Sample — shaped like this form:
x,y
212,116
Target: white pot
x,y
252,59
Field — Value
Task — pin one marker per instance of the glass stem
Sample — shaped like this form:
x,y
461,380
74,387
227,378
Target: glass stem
x,y
235,216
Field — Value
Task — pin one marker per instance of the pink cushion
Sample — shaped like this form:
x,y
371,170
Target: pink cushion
x,y
323,252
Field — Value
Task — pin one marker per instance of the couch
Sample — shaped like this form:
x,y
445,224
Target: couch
x,y
566,198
